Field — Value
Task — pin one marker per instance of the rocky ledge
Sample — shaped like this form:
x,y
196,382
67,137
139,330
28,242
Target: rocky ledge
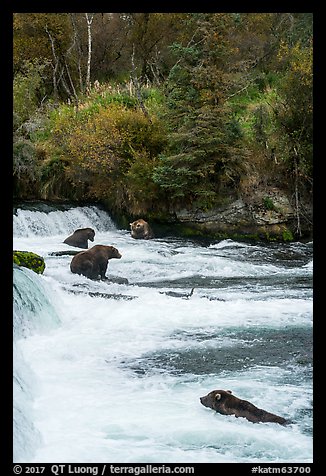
x,y
266,215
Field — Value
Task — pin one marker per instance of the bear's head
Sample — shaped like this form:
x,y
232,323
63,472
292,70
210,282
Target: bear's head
x,y
216,399
87,233
112,252
90,234
139,228
138,225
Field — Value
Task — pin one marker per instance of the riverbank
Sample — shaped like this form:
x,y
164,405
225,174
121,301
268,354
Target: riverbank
x,y
270,219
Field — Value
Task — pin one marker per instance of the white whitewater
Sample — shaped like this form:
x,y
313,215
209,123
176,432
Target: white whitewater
x,y
112,372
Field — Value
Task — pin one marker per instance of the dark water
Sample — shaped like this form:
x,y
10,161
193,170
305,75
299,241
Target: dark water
x,y
286,348
119,374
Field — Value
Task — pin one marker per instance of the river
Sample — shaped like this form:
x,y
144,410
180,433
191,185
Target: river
x,y
112,371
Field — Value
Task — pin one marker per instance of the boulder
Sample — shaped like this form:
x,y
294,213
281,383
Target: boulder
x,y
265,213
29,260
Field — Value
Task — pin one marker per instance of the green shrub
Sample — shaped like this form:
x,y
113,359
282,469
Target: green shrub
x,y
107,151
27,90
268,204
24,159
287,235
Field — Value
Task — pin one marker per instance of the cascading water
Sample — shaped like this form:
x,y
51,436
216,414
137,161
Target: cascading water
x,y
111,372
33,313
28,223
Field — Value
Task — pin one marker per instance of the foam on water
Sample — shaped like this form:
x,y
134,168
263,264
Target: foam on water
x,y
33,313
119,379
27,223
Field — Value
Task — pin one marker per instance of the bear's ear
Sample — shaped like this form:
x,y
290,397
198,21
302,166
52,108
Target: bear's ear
x,y
218,396
229,391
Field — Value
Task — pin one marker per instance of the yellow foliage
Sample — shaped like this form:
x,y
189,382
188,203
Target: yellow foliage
x,y
112,149
300,61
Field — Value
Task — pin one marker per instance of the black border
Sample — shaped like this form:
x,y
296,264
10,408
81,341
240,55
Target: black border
x,y
6,10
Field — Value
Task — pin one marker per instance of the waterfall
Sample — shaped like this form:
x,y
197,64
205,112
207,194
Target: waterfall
x,y
33,312
28,223
33,307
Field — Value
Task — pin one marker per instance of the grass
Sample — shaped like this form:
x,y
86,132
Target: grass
x,y
245,104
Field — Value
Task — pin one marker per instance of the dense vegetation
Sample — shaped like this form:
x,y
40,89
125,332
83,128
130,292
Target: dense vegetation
x,y
154,112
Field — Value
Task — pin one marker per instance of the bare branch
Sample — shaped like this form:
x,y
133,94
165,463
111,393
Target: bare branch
x,y
55,65
77,42
89,20
136,84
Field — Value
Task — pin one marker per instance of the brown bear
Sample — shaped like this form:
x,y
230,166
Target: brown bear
x,y
222,401
93,262
79,237
140,229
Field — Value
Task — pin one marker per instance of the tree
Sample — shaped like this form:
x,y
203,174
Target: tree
x,y
294,116
62,40
89,20
45,38
203,150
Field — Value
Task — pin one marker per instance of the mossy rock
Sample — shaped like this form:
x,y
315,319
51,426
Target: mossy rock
x,y
29,260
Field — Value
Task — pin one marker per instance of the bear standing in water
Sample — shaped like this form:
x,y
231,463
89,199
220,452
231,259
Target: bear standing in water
x,y
222,401
79,238
93,262
140,229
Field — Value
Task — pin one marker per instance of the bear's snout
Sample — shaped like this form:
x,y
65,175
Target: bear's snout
x,y
203,401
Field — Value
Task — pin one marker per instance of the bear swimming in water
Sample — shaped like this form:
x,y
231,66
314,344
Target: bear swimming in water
x,y
79,238
140,229
222,401
93,262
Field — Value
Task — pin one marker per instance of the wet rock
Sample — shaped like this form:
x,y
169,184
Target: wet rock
x,y
177,294
29,260
267,212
